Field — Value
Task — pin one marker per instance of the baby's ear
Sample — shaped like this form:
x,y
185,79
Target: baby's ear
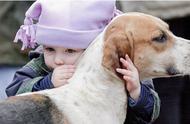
x,y
116,45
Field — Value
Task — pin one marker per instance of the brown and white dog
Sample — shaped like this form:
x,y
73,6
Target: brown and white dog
x,y
96,94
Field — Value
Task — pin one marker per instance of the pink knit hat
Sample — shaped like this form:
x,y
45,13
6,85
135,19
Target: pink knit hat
x,y
67,23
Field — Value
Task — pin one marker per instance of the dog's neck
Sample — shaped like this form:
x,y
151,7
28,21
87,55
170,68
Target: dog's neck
x,y
96,81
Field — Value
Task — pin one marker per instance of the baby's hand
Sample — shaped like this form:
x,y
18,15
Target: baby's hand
x,y
61,74
131,76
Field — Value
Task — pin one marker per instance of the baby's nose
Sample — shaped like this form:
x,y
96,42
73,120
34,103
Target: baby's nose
x,y
59,61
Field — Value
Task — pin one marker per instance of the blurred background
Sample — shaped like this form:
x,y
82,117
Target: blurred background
x,y
174,92
11,57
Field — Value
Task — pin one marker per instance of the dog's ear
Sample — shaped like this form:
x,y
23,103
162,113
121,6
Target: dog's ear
x,y
116,45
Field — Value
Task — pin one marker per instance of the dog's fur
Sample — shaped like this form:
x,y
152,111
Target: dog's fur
x,y
96,94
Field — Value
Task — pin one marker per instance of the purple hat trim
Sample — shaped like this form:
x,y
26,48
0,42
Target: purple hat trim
x,y
68,38
31,34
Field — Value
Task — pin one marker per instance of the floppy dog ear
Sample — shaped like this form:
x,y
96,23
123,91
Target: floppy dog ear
x,y
116,45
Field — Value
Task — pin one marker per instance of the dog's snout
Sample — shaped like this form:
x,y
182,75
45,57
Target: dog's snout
x,y
172,71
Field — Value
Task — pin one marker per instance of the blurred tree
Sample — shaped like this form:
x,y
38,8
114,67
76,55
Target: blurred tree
x,y
11,17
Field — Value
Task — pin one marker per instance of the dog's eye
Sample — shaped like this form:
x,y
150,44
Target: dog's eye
x,y
161,38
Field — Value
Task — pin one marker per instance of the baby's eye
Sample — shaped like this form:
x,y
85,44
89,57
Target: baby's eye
x,y
49,49
70,51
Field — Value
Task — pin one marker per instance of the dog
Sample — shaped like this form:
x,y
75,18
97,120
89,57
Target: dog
x,y
96,92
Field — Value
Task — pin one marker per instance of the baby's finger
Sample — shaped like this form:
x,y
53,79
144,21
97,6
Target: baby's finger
x,y
126,64
67,67
67,75
128,59
128,78
61,71
64,81
124,72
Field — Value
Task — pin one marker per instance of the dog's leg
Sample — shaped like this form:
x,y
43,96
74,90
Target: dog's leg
x,y
29,109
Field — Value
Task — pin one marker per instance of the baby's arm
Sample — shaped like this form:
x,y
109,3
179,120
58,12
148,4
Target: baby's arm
x,y
131,77
28,76
144,103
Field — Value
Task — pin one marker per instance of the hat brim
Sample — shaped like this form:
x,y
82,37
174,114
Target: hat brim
x,y
65,38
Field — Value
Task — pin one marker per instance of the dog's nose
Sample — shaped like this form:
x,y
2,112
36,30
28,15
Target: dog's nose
x,y
172,71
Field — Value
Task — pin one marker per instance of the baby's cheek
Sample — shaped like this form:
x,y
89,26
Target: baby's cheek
x,y
77,57
49,63
71,60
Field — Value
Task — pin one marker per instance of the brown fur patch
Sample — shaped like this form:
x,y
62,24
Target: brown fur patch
x,y
30,109
116,45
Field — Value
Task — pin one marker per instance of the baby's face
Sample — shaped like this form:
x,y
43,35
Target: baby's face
x,y
56,56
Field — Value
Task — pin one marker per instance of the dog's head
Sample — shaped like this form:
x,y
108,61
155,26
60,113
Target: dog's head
x,y
153,48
